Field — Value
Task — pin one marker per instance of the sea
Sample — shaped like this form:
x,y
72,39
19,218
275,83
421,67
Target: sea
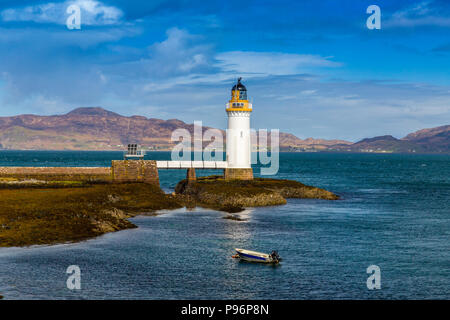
x,y
394,214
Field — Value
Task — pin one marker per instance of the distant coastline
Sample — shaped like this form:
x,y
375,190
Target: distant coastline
x,y
97,129
283,151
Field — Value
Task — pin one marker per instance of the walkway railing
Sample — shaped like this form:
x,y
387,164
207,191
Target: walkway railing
x,y
191,164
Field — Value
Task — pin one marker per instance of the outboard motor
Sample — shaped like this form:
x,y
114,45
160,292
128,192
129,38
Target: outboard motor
x,y
274,255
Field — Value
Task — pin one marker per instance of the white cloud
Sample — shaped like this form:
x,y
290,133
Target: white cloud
x,y
182,77
420,14
270,63
92,13
179,53
195,64
28,37
308,92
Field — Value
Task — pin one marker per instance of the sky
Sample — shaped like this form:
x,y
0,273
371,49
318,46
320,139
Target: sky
x,y
311,68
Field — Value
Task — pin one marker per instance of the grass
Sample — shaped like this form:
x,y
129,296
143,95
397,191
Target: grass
x,y
67,213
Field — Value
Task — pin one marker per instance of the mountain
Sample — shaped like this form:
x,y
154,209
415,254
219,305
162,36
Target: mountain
x,y
85,129
99,129
433,140
289,142
385,143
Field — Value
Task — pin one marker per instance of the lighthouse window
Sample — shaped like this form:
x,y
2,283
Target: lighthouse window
x,y
242,95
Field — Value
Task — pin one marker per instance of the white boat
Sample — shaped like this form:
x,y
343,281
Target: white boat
x,y
254,256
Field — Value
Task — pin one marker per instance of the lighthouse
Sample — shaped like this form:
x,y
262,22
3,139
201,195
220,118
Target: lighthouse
x,y
238,147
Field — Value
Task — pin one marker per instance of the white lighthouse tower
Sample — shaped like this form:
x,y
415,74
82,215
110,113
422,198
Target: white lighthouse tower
x,y
238,135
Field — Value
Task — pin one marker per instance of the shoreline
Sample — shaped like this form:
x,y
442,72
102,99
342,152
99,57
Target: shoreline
x,y
169,150
32,213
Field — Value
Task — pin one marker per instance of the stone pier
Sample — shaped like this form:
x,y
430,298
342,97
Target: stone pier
x,y
135,171
145,171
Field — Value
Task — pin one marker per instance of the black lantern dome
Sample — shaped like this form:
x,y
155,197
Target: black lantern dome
x,y
242,90
239,86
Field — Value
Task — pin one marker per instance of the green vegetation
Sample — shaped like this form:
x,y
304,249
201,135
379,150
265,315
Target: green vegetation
x,y
232,195
66,213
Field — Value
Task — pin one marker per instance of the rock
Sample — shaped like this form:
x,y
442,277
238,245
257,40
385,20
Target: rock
x,y
232,195
232,217
231,209
38,215
113,198
116,213
295,189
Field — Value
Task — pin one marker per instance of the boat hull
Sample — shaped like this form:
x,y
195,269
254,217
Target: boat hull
x,y
252,256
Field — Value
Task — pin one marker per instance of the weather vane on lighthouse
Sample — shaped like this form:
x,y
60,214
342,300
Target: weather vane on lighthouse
x,y
238,134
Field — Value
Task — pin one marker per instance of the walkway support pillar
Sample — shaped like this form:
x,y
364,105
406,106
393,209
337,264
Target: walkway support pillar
x,y
190,175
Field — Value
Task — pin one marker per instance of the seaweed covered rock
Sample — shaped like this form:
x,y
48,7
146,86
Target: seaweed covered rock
x,y
294,189
58,214
231,195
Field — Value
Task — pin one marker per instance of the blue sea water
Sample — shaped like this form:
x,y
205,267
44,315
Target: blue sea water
x,y
394,213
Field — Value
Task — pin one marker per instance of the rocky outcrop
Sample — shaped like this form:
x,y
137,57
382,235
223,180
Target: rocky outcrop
x,y
44,215
231,196
227,196
294,189
92,174
58,213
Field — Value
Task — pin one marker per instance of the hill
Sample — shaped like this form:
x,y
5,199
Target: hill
x,y
432,140
98,129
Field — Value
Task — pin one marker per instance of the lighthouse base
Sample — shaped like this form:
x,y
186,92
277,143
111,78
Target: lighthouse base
x,y
238,174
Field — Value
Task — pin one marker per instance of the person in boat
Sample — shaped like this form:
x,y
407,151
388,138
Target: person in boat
x,y
274,255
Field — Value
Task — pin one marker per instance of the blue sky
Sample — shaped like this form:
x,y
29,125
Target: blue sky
x,y
312,68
